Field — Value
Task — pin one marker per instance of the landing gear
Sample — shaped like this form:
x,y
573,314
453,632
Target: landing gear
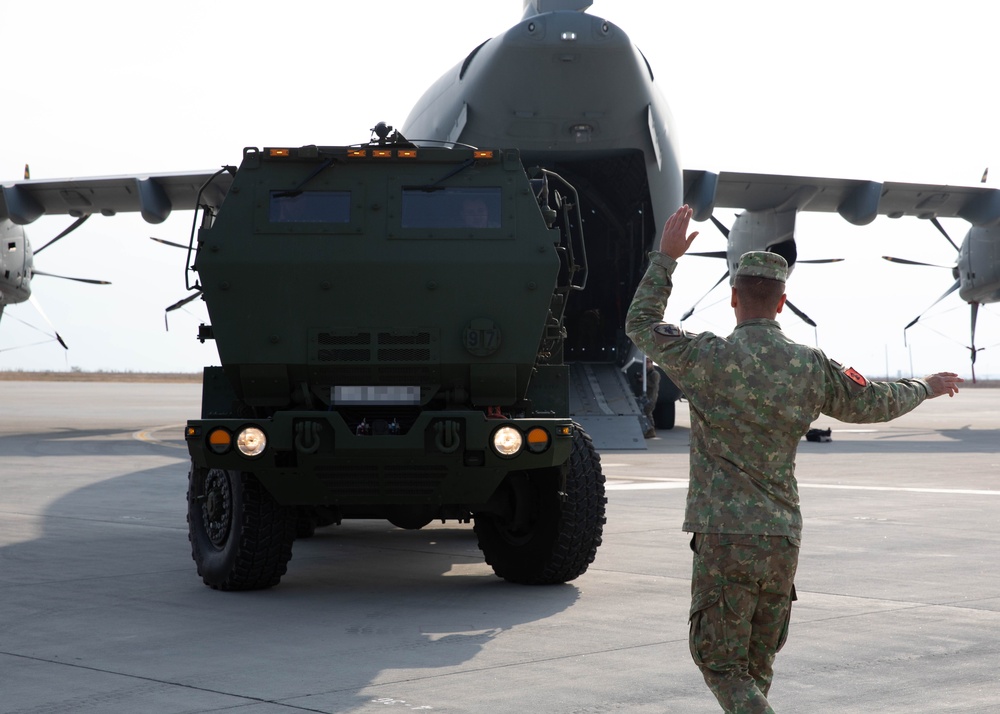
x,y
552,521
241,539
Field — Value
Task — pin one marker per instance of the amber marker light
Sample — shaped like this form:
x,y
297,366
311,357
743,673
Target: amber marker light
x,y
482,154
356,153
279,152
407,153
220,440
564,430
538,440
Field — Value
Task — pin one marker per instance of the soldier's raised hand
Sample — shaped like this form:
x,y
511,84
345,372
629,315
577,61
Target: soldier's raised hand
x,y
675,239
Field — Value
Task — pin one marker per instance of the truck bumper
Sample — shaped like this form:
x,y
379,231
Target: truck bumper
x,y
315,458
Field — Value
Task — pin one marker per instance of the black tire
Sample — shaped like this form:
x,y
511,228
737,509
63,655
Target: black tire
x,y
563,512
241,539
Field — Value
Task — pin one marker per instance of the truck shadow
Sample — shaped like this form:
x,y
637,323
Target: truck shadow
x,y
365,613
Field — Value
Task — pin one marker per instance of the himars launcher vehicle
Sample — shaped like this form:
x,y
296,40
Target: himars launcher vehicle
x,y
389,320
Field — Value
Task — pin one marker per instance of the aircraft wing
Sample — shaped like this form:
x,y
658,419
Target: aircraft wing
x,y
153,195
857,201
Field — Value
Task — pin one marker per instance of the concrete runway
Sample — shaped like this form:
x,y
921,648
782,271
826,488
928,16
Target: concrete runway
x,y
898,610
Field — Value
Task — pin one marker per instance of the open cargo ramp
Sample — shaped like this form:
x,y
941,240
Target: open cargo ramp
x,y
601,400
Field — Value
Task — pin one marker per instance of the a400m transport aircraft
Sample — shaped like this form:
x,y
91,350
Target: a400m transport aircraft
x,y
573,93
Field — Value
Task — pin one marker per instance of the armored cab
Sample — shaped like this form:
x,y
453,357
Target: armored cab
x,y
389,320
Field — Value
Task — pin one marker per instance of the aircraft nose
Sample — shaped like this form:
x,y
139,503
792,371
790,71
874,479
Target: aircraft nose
x,y
567,30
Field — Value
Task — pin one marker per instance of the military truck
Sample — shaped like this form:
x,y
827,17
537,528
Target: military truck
x,y
389,321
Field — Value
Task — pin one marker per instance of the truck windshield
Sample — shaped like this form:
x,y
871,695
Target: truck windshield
x,y
310,207
452,207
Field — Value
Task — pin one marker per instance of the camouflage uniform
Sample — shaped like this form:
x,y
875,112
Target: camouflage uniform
x,y
652,395
752,397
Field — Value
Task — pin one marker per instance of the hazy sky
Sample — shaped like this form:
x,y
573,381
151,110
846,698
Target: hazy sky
x,y
889,91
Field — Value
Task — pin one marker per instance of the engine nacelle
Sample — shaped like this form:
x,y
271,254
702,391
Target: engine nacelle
x,y
16,264
762,230
981,249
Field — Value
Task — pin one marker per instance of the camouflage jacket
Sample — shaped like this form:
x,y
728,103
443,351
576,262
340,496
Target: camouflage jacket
x,y
752,397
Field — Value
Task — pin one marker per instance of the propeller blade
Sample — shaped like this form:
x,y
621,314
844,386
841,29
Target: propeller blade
x,y
904,261
712,254
937,224
821,260
717,283
41,312
946,293
720,226
66,277
183,302
972,349
805,317
179,304
167,242
76,224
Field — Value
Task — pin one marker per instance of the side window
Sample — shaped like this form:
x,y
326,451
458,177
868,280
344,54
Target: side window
x,y
310,207
431,207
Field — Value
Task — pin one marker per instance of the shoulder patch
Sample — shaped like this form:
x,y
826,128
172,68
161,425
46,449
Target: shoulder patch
x,y
669,332
856,377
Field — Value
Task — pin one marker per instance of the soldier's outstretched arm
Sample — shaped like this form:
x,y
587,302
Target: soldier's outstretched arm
x,y
943,383
852,398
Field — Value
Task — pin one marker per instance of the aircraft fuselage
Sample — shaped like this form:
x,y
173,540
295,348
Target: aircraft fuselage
x,y
573,94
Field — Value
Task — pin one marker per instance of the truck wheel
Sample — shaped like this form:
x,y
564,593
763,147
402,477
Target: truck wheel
x,y
551,536
241,539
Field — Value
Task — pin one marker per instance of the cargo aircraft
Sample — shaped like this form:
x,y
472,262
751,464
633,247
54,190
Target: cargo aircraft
x,y
573,93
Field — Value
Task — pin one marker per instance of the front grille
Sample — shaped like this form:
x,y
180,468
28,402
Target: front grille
x,y
420,338
411,355
356,483
344,355
354,346
412,480
351,482
344,338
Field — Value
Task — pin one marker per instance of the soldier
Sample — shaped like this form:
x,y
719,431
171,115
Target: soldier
x,y
651,394
752,396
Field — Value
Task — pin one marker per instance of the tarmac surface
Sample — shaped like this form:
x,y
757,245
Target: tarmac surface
x,y
102,611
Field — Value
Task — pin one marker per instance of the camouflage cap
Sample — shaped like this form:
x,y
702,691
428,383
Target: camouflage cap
x,y
762,264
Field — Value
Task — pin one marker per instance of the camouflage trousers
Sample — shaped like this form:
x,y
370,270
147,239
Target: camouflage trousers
x,y
652,392
741,600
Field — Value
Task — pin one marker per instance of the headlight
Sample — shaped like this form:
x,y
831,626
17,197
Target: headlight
x,y
507,441
251,441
